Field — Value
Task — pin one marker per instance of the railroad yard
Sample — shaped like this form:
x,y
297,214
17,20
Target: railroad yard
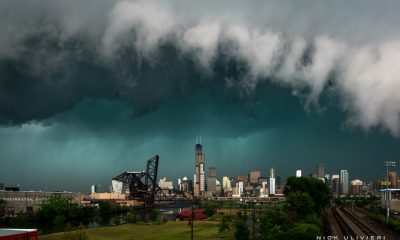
x,y
345,222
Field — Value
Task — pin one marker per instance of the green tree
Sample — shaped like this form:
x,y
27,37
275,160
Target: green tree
x,y
300,203
313,219
276,232
55,206
209,211
273,224
305,231
242,231
132,218
154,215
224,225
315,188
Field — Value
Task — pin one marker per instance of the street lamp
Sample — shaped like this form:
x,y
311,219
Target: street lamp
x,y
387,165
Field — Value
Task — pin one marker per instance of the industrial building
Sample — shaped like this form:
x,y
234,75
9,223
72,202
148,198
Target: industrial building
x,y
30,201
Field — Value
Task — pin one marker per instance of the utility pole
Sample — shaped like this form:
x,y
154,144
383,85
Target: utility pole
x,y
387,165
254,218
192,217
230,208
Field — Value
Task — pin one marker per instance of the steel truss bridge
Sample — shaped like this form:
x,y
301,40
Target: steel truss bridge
x,y
142,185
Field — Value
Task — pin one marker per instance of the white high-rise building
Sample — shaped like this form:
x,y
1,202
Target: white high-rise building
x,y
272,173
344,182
264,189
202,179
117,186
226,184
239,186
272,186
199,180
179,184
94,189
298,173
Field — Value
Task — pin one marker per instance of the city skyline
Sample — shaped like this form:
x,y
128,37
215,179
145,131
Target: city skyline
x,y
85,95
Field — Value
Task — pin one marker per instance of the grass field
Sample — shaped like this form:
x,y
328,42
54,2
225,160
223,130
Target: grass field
x,y
169,230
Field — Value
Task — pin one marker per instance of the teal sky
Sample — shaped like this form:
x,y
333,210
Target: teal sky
x,y
100,138
88,91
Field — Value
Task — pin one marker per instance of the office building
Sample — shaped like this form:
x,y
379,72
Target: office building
x,y
335,184
186,185
212,180
356,187
165,184
320,170
272,186
393,179
212,172
272,173
298,173
253,177
94,189
199,180
262,179
1,186
226,184
328,179
344,182
264,189
278,182
237,179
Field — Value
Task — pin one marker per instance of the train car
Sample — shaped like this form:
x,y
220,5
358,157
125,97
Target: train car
x,y
18,234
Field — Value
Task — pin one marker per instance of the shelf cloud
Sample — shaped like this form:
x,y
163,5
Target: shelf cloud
x,y
54,54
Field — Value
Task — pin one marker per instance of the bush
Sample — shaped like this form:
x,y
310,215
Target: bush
x,y
209,211
224,225
305,231
154,215
132,218
242,231
313,219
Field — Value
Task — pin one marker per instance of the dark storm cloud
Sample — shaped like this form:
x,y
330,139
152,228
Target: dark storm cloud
x,y
53,54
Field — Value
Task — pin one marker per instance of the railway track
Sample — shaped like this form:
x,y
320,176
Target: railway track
x,y
350,225
368,231
343,227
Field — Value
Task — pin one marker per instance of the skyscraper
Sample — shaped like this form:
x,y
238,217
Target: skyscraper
x,y
253,177
335,184
344,182
271,186
298,173
226,185
272,173
320,170
199,181
393,179
212,180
